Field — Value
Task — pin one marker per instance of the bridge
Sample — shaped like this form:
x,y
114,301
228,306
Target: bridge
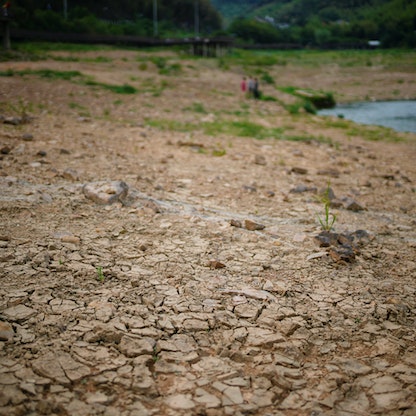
x,y
203,46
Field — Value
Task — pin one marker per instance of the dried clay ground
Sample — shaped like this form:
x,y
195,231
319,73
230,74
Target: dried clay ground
x,y
204,291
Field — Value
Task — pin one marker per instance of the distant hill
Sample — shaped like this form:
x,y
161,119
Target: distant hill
x,y
322,21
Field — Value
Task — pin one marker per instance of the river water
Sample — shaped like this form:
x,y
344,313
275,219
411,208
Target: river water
x,y
398,115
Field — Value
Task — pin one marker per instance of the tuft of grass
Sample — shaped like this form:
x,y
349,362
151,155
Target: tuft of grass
x,y
74,76
219,152
197,108
266,78
171,69
311,98
376,134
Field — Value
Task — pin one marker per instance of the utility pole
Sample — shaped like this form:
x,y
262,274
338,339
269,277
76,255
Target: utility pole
x,y
65,9
155,29
196,18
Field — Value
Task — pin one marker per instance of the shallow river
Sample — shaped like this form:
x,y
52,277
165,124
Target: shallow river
x,y
398,115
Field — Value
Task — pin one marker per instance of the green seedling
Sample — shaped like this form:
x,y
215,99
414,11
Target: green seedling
x,y
328,221
100,274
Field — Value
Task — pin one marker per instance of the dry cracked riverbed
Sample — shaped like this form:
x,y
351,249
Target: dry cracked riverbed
x,y
148,271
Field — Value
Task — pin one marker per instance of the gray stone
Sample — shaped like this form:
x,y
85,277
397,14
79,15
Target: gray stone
x,y
105,192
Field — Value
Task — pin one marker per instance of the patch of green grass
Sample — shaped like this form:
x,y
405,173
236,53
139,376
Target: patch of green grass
x,y
98,59
376,134
51,74
64,58
7,73
119,89
159,61
370,133
76,106
171,125
219,152
142,66
73,76
151,87
171,69
266,78
268,98
233,128
197,108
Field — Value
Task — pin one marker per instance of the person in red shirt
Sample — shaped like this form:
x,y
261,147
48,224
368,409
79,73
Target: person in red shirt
x,y
243,85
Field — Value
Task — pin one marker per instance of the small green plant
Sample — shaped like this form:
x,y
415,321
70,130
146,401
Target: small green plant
x,y
266,78
100,274
219,152
143,66
328,221
155,355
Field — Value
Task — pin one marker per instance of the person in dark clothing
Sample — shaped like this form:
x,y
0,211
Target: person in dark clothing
x,y
256,91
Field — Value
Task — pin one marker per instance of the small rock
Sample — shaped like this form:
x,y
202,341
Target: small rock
x,y
215,264
352,205
70,239
299,171
105,192
27,137
303,188
260,160
70,174
253,226
6,331
236,223
5,150
334,173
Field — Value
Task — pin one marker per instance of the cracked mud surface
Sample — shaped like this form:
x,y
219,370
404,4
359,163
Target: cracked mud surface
x,y
203,291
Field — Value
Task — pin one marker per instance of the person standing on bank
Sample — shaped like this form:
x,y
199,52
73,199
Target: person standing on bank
x,y
256,91
243,85
250,92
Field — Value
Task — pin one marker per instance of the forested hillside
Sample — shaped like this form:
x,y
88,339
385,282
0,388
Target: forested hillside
x,y
319,22
174,17
316,23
